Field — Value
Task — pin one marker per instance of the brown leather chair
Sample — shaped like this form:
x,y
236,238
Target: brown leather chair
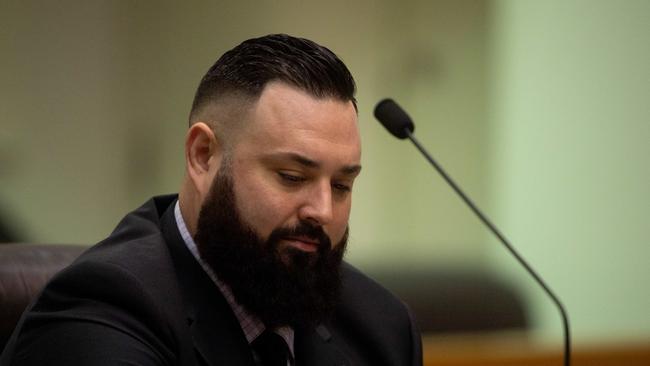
x,y
24,270
457,300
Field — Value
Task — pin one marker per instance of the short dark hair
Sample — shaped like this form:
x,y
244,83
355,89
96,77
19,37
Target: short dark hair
x,y
246,69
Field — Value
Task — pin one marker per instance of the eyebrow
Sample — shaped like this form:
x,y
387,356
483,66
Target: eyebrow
x,y
309,163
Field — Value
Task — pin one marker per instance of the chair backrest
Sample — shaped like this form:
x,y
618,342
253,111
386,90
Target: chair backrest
x,y
24,270
454,300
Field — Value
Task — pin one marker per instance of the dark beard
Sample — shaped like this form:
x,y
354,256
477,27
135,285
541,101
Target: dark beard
x,y
291,287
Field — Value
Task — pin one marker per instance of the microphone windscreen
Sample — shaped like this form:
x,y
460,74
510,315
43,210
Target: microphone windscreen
x,y
393,117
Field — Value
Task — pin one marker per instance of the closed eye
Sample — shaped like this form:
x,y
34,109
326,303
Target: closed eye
x,y
343,188
291,178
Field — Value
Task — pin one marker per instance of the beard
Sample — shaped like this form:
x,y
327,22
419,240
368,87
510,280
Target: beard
x,y
281,285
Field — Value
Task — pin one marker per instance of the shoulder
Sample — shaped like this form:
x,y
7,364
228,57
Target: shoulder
x,y
377,317
127,275
129,271
362,292
113,291
131,266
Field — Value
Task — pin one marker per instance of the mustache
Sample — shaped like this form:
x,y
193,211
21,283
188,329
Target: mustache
x,y
304,229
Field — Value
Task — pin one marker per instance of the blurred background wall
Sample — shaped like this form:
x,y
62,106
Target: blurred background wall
x,y
569,151
539,110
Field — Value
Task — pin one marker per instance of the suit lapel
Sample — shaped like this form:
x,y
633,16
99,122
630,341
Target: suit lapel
x,y
318,348
214,329
219,339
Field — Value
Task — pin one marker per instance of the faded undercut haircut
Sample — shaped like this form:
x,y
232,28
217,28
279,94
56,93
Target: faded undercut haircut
x,y
243,72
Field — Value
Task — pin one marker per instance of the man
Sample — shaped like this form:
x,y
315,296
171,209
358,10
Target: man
x,y
245,266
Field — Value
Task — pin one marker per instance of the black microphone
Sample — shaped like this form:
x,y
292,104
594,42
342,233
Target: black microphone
x,y
398,123
394,119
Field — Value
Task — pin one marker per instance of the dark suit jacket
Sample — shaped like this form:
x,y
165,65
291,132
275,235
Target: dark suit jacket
x,y
140,298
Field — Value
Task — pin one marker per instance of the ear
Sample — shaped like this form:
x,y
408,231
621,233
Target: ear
x,y
203,153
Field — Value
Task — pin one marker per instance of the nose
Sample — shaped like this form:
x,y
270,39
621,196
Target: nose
x,y
317,206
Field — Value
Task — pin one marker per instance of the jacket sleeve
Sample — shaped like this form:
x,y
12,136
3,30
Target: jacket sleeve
x,y
416,342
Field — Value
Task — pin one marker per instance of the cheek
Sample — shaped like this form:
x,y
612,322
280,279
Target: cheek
x,y
261,208
339,224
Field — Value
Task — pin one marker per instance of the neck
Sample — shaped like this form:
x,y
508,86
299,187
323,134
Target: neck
x,y
190,205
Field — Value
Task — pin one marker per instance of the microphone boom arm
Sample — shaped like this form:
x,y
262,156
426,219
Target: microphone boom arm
x,y
503,240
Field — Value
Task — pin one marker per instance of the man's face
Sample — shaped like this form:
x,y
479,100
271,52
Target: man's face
x,y
296,160
274,224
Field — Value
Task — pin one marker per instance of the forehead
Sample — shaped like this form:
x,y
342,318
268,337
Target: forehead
x,y
287,119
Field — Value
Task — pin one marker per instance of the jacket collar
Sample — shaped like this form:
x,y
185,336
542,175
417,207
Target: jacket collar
x,y
215,331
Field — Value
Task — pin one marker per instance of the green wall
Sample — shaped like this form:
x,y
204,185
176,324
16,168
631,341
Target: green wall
x,y
569,148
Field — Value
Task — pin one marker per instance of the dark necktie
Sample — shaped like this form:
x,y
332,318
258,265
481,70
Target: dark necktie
x,y
271,349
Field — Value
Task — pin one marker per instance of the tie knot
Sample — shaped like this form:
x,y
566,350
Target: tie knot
x,y
271,349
